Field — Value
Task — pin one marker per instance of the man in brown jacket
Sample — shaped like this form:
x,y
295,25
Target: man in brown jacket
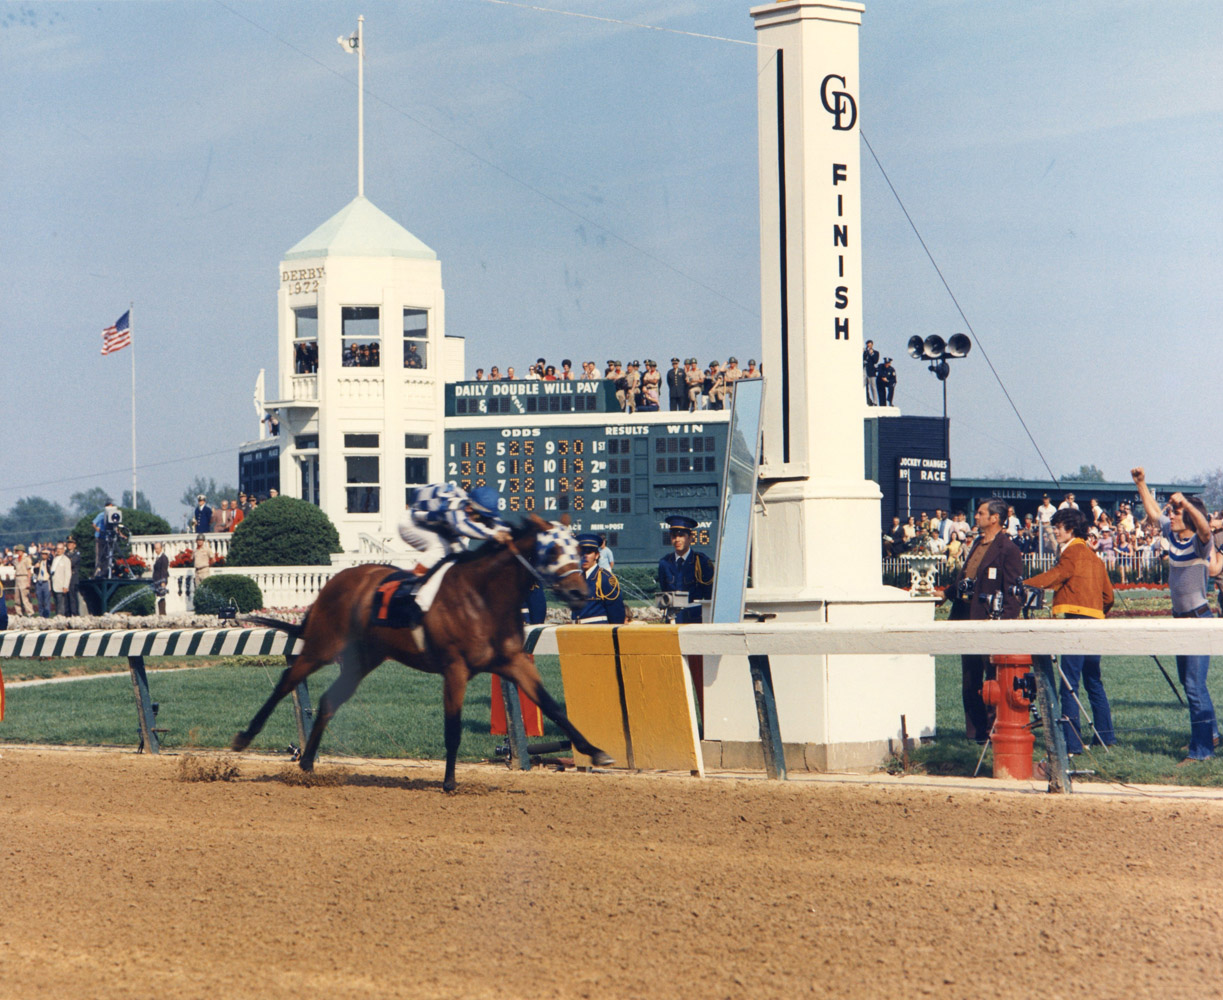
x,y
1081,589
993,566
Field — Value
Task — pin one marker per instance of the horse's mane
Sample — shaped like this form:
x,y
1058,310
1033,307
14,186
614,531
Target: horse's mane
x,y
488,549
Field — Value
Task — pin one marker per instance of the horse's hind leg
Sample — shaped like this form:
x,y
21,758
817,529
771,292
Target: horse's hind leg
x,y
523,672
353,668
290,677
454,690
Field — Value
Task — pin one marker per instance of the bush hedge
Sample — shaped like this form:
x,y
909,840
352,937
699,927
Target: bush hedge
x,y
215,592
284,532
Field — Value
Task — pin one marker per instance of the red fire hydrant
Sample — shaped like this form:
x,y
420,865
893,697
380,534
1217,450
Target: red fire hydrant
x,y
1010,691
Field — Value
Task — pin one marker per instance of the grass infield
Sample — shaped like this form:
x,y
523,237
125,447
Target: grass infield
x,y
396,712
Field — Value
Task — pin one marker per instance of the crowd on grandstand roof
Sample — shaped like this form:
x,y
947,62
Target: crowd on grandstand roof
x,y
641,386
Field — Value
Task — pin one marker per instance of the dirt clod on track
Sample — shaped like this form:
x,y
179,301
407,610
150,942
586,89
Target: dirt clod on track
x,y
120,879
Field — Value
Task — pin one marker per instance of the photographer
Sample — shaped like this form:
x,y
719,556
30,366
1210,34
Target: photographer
x,y
984,588
107,529
1081,589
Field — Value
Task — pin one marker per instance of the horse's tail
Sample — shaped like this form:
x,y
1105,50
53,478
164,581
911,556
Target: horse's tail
x,y
294,630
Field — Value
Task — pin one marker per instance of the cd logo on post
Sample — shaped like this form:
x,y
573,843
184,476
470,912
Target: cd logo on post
x,y
841,104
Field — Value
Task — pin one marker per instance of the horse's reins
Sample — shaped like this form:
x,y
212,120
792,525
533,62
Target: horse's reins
x,y
539,576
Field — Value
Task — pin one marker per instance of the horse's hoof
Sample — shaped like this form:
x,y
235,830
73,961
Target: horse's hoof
x,y
240,742
601,759
450,787
306,765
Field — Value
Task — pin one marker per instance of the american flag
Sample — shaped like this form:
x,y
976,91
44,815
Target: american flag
x,y
117,337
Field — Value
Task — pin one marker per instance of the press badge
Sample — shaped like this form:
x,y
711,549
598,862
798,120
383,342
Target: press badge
x,y
992,574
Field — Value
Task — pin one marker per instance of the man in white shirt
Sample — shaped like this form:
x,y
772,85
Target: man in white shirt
x,y
61,578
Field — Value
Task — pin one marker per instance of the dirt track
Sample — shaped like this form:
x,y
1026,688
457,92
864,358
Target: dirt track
x,y
117,880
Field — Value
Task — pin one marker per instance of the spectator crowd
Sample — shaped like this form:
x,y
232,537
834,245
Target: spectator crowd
x,y
1130,548
640,385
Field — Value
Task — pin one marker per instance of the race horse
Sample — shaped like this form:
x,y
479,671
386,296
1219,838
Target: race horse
x,y
473,626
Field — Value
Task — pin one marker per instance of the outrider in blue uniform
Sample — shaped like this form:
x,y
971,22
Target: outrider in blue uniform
x,y
606,603
685,570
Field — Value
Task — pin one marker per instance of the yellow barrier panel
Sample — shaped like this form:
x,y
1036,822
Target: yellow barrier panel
x,y
645,686
592,690
658,695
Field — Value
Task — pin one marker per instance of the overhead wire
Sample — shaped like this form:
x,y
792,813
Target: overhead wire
x,y
956,302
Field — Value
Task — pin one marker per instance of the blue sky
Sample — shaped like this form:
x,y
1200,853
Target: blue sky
x,y
587,184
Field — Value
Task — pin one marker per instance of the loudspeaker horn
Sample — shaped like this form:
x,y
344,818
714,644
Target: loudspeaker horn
x,y
916,347
959,345
934,346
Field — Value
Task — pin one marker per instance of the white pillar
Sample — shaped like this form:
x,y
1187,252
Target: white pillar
x,y
814,487
816,554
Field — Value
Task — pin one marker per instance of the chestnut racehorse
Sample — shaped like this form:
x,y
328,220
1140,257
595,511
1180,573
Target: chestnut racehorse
x,y
473,626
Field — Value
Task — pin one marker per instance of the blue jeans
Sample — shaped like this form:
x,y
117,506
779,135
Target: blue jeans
x,y
42,590
1087,668
1192,671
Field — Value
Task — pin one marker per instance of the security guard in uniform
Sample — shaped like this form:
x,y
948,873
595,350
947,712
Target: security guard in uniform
x,y
685,570
606,603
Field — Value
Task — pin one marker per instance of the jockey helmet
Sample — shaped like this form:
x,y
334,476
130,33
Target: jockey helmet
x,y
485,499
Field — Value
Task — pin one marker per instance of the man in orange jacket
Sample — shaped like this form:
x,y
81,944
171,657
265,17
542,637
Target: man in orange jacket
x,y
1081,589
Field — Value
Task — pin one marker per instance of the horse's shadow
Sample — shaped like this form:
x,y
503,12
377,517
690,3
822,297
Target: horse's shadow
x,y
341,777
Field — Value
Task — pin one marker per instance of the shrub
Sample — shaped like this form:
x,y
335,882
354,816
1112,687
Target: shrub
x,y
136,522
284,532
214,593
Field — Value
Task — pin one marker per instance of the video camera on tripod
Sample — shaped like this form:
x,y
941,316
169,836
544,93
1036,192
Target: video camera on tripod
x,y
673,601
1030,598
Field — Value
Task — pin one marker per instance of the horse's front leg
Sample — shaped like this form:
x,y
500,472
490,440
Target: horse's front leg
x,y
454,690
522,671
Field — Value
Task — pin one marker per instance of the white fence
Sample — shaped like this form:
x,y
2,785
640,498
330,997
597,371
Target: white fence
x,y
1146,567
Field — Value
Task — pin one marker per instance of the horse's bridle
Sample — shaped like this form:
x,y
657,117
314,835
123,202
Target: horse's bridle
x,y
539,576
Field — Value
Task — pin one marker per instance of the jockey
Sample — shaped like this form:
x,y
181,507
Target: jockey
x,y
442,515
606,603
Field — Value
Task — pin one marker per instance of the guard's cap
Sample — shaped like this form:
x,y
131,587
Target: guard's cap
x,y
678,522
634,364
589,540
485,498
650,363
610,364
714,363
675,361
732,361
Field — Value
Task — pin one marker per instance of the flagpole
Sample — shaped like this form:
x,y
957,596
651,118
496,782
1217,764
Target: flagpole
x,y
360,109
132,331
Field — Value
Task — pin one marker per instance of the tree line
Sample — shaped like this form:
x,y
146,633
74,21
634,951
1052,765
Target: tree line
x,y
37,519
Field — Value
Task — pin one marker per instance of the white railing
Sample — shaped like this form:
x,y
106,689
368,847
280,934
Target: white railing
x,y
1133,568
142,545
284,586
304,387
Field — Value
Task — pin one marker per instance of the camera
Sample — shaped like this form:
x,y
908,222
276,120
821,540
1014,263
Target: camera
x,y
965,589
115,517
676,599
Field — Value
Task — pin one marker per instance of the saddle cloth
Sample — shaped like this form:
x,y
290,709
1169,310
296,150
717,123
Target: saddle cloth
x,y
402,600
